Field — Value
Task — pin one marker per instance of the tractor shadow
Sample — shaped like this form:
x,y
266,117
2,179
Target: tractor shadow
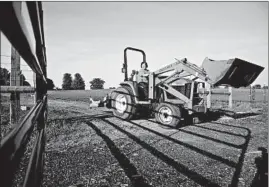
x,y
261,176
216,113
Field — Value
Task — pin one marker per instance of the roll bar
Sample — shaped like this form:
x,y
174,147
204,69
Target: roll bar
x,y
125,69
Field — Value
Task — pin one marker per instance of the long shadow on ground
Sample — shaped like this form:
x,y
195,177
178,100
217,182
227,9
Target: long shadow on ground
x,y
235,115
261,176
178,166
191,174
243,147
138,180
81,118
129,169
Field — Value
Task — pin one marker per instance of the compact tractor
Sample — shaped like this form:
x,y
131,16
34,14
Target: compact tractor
x,y
182,93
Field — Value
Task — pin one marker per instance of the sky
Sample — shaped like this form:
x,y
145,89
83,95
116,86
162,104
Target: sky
x,y
89,37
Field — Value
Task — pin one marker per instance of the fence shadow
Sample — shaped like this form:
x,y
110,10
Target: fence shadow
x,y
105,114
238,168
203,152
130,170
196,177
201,180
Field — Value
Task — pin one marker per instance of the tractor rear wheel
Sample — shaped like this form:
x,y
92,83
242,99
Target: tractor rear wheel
x,y
168,115
123,104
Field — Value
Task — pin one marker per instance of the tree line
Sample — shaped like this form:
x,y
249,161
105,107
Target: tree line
x,y
5,79
78,82
69,83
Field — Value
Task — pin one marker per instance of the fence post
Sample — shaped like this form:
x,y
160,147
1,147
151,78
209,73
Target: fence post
x,y
253,95
264,93
230,97
208,100
250,93
14,81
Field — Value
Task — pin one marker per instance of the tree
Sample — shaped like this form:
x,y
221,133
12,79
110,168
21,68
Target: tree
x,y
4,77
257,86
23,80
78,82
97,83
67,81
25,83
50,85
265,87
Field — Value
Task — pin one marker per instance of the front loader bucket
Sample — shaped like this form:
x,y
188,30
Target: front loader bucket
x,y
234,72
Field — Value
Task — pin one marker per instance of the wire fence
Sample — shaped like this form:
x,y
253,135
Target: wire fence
x,y
25,72
242,99
23,118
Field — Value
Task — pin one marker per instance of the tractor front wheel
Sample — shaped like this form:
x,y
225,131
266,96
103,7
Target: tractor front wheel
x,y
168,115
122,101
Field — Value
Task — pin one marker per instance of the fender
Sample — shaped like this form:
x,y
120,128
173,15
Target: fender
x,y
133,86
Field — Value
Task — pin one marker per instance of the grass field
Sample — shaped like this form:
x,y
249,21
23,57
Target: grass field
x,y
89,147
78,95
83,95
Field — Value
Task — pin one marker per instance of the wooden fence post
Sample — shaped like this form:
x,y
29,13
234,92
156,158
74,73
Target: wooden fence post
x,y
253,90
15,81
15,76
230,97
208,100
264,93
250,93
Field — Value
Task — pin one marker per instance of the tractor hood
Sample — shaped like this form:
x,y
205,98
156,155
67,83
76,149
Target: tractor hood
x,y
233,72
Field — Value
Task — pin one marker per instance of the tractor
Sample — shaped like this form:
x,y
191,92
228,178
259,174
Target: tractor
x,y
183,93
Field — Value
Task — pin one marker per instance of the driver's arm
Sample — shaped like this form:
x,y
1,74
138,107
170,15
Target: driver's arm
x,y
145,74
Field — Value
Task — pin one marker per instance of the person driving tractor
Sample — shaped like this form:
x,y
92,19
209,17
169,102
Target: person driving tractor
x,y
142,80
143,73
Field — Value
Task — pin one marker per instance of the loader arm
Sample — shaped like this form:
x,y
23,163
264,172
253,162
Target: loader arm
x,y
183,68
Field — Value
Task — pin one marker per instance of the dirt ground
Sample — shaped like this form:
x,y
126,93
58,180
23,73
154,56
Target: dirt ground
x,y
88,147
